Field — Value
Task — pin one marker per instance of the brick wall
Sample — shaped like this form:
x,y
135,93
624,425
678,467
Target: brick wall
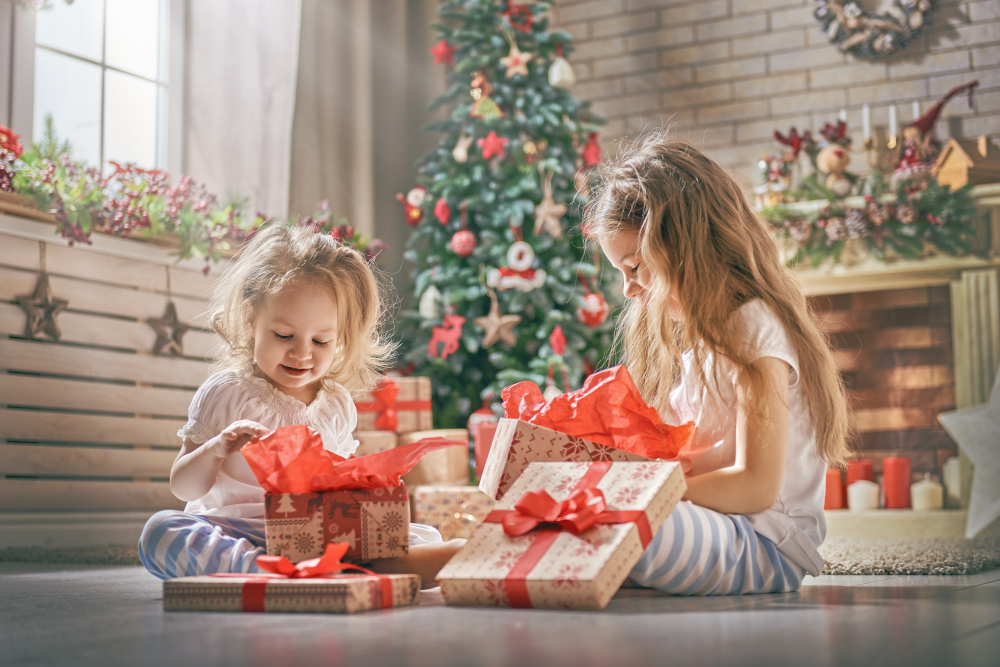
x,y
728,72
893,349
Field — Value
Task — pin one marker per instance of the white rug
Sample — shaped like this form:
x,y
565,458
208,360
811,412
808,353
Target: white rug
x,y
935,555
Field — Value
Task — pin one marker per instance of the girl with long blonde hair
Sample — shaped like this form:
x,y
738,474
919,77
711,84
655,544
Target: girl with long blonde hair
x,y
717,331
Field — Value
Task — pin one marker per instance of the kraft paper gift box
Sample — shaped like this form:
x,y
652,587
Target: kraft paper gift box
x,y
314,497
454,510
570,549
400,405
605,420
286,589
444,466
373,442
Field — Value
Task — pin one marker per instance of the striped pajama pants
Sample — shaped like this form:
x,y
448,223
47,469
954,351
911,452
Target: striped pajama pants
x,y
175,544
701,552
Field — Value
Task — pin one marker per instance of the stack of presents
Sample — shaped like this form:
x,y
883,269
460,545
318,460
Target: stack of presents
x,y
570,493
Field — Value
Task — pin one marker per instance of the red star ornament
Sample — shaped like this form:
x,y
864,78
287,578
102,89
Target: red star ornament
x,y
443,53
493,145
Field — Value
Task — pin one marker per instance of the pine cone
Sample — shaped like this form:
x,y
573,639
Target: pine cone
x,y
856,224
877,214
835,229
800,230
906,213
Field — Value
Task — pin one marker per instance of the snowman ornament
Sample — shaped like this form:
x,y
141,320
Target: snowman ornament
x,y
518,273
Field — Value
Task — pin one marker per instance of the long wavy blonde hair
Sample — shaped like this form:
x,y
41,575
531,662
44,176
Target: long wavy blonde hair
x,y
700,237
279,257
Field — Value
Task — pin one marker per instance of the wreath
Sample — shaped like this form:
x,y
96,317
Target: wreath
x,y
867,35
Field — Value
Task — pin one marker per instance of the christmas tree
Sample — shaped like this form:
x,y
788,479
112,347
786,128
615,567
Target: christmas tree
x,y
501,259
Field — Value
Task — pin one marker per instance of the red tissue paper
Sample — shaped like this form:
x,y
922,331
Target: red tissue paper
x,y
291,459
607,410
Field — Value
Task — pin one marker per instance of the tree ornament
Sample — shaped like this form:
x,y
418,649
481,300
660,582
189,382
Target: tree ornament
x,y
492,145
558,342
412,203
447,334
919,149
868,35
496,326
443,53
41,307
483,415
517,61
595,307
169,332
592,152
442,211
461,150
518,273
484,107
463,243
519,17
833,158
548,212
561,74
429,301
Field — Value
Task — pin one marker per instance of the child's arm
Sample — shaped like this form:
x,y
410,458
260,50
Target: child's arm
x,y
196,466
752,483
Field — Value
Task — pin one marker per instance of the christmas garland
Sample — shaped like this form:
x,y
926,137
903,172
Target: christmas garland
x,y
923,213
867,35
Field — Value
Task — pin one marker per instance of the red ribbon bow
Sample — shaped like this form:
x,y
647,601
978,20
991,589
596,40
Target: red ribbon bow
x,y
324,567
576,514
385,394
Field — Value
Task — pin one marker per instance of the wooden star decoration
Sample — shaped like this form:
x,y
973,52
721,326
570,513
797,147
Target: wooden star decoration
x,y
497,326
548,212
169,332
42,308
975,431
516,62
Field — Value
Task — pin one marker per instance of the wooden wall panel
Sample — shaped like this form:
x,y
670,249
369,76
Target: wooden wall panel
x,y
35,494
69,461
48,426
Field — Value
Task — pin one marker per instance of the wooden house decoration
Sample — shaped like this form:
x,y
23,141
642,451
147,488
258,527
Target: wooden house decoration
x,y
964,161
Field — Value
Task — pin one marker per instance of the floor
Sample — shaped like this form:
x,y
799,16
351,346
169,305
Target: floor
x,y
82,615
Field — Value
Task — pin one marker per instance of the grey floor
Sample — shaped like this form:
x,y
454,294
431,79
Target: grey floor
x,y
83,615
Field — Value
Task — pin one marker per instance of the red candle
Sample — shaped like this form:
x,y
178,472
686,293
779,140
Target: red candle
x,y
834,491
860,469
896,481
482,439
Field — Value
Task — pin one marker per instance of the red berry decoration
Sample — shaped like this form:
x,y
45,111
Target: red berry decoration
x,y
442,211
463,243
594,310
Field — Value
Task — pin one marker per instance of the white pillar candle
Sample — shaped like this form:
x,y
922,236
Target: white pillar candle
x,y
893,122
862,495
866,121
953,482
842,115
926,494
916,109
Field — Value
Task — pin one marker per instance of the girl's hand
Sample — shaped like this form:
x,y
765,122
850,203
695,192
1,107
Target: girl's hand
x,y
234,436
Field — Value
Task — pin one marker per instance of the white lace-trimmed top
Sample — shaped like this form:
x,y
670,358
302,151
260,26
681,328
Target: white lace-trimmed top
x,y
230,396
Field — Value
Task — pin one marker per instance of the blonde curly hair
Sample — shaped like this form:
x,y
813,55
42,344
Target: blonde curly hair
x,y
279,257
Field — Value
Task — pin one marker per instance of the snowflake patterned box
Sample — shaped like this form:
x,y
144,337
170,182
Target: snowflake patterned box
x,y
373,442
454,510
400,405
375,523
565,537
518,443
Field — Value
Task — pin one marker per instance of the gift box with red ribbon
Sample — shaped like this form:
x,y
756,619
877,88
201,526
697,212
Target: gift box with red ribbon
x,y
373,442
605,420
565,536
445,466
454,510
399,405
317,585
314,497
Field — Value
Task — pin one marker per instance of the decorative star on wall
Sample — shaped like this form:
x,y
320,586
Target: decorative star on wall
x,y
976,431
42,308
169,332
497,326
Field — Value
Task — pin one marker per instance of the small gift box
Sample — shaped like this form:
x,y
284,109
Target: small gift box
x,y
373,442
310,586
565,536
606,420
445,466
454,510
400,405
314,497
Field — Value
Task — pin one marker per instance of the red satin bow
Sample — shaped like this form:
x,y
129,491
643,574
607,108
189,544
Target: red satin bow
x,y
575,514
385,395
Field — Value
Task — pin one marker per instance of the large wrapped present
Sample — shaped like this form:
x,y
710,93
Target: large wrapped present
x,y
454,510
565,536
312,585
444,466
400,405
314,497
605,420
373,442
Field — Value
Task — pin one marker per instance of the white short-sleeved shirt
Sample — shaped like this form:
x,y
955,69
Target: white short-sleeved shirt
x,y
795,523
230,396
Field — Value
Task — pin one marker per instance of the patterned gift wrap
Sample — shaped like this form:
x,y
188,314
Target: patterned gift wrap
x,y
454,510
552,568
374,523
340,594
518,443
444,466
412,407
373,442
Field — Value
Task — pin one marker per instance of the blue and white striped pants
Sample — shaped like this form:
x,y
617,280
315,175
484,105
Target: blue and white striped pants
x,y
175,544
702,552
